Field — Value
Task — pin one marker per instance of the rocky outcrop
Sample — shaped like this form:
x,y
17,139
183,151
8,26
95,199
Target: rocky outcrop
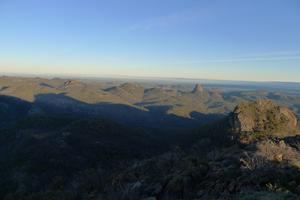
x,y
198,89
262,118
200,94
71,82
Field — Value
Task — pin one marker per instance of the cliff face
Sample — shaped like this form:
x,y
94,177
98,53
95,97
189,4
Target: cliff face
x,y
263,117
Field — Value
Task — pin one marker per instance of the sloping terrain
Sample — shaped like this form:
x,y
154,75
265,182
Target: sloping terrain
x,y
178,102
44,153
129,92
265,168
71,139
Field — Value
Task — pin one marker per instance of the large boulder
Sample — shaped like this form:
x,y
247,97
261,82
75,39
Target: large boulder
x,y
262,118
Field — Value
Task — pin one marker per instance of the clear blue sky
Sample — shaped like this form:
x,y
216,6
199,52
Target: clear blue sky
x,y
212,39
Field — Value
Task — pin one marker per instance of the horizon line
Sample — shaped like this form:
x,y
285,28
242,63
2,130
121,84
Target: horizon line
x,y
112,76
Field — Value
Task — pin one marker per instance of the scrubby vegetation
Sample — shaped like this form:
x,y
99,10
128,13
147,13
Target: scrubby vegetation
x,y
146,143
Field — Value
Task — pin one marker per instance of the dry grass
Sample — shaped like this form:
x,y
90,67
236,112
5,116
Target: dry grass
x,y
252,162
279,152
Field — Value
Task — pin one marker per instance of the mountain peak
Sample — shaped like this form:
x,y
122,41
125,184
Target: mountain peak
x,y
198,88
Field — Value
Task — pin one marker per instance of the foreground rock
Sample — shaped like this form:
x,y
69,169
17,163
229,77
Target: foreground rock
x,y
262,118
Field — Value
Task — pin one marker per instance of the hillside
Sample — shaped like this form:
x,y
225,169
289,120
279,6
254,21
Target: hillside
x,y
180,103
78,139
263,168
53,152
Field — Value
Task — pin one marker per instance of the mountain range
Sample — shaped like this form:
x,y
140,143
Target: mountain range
x,y
87,139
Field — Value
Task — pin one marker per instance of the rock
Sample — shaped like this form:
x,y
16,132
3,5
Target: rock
x,y
200,94
71,82
278,157
198,89
262,117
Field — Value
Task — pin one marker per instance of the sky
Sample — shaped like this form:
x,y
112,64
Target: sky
x,y
255,40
